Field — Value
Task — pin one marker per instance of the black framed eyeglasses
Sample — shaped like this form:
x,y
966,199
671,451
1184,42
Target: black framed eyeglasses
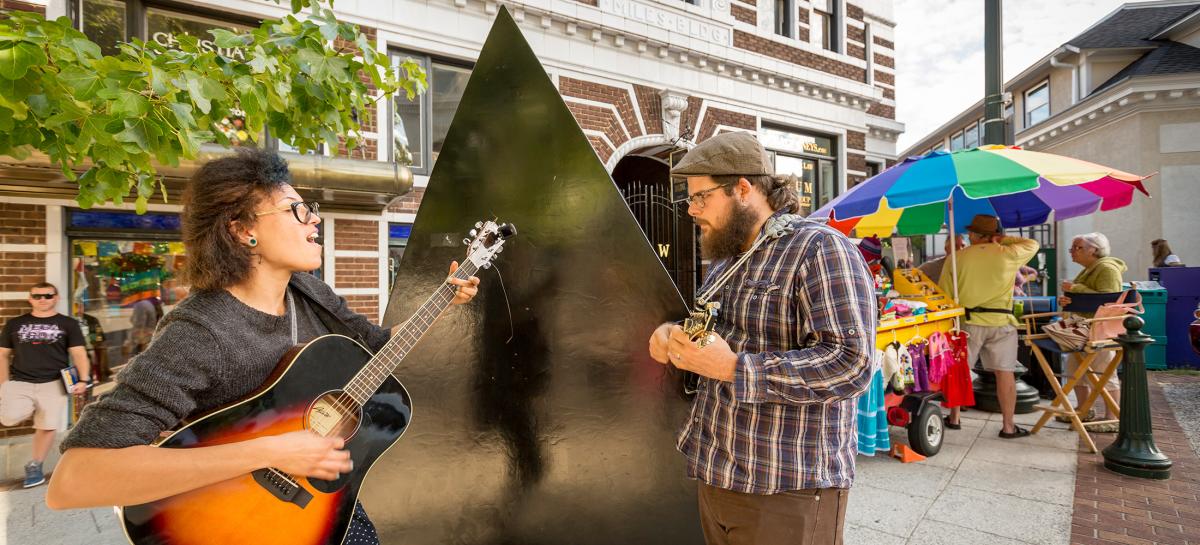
x,y
46,296
302,210
697,199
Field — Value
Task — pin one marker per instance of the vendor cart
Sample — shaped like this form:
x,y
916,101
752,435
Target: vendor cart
x,y
918,412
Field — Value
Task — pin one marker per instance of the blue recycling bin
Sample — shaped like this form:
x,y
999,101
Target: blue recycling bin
x,y
1183,296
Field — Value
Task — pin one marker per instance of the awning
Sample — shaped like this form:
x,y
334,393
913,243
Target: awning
x,y
337,182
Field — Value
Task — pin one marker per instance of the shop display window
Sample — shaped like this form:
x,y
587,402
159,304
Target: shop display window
x,y
398,234
124,275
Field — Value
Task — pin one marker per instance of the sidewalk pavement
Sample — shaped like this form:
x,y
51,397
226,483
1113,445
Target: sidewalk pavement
x,y
1113,509
979,489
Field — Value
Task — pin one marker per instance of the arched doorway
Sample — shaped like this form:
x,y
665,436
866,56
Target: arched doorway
x,y
644,180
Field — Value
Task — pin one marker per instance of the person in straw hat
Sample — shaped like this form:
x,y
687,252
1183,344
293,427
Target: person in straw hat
x,y
986,272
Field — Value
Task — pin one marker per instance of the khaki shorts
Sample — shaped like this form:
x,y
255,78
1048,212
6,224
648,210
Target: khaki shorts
x,y
45,402
996,346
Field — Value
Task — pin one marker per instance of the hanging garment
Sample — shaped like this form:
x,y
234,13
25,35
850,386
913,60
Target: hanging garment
x,y
891,367
906,368
916,352
940,357
957,384
872,417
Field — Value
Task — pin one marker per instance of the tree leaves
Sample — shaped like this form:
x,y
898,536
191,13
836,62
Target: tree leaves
x,y
16,58
84,83
149,104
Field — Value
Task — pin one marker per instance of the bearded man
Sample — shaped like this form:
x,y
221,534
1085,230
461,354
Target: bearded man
x,y
772,433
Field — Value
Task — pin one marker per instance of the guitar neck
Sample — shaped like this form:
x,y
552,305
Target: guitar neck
x,y
372,375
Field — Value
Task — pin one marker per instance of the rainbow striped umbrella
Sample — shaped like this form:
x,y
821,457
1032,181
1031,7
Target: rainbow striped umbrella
x,y
1020,187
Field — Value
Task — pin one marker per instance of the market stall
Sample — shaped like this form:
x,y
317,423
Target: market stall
x,y
925,195
917,319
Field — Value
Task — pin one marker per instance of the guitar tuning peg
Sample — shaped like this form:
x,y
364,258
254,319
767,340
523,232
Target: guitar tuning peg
x,y
473,232
467,241
478,224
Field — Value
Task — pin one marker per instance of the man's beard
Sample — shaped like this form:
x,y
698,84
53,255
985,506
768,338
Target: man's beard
x,y
727,241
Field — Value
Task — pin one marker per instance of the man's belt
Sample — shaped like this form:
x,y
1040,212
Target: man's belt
x,y
982,310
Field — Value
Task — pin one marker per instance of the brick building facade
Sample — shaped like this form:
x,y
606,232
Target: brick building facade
x,y
644,78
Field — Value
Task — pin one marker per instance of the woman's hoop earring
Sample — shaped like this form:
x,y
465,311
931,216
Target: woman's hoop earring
x,y
252,242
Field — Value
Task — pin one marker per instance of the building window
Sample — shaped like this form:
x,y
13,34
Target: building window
x,y
784,23
825,22
419,126
956,141
103,22
1037,104
971,136
874,168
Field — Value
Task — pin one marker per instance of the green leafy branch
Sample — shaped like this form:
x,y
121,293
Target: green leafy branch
x,y
117,117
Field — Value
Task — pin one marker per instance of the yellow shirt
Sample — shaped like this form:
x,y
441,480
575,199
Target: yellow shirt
x,y
986,273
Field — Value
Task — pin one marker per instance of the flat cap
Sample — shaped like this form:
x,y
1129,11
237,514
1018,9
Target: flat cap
x,y
731,153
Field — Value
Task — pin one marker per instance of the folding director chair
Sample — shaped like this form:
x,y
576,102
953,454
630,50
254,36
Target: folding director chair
x,y
1040,343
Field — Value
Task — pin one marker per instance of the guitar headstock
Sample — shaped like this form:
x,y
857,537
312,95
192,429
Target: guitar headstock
x,y
487,240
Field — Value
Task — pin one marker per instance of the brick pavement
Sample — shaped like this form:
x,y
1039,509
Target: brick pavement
x,y
1112,509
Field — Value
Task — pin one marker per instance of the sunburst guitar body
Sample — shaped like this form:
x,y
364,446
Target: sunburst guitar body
x,y
268,506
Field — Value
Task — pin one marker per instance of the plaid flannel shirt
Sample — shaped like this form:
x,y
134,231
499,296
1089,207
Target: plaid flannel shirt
x,y
801,316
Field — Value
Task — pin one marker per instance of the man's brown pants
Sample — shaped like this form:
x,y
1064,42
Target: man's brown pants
x,y
800,517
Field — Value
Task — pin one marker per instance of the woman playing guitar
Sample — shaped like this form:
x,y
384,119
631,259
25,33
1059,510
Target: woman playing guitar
x,y
250,241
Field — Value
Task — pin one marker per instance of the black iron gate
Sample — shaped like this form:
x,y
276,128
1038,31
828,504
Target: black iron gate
x,y
669,228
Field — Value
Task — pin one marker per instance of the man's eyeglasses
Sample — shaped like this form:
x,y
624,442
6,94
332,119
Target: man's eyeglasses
x,y
697,199
46,296
302,210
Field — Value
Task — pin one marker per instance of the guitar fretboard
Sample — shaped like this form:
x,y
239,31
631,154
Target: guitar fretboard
x,y
372,375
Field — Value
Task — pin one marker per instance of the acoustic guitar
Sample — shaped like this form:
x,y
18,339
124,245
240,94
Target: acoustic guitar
x,y
332,386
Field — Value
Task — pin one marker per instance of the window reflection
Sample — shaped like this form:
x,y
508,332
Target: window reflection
x,y
124,287
407,122
103,22
448,85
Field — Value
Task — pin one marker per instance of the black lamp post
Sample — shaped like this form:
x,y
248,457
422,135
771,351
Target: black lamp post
x,y
1134,452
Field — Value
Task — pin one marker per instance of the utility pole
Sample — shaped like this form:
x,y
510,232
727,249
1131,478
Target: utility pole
x,y
993,133
993,73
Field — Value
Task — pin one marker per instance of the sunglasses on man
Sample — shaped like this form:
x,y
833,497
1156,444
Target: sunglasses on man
x,y
43,295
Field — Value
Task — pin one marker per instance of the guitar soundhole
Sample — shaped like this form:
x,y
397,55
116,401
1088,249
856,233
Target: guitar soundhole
x,y
334,414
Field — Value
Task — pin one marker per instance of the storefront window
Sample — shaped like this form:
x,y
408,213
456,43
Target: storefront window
x,y
398,234
124,276
164,27
808,157
103,22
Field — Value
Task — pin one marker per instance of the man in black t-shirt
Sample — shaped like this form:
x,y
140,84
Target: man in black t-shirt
x,y
41,344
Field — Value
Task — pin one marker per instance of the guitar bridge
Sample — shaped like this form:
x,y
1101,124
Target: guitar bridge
x,y
282,486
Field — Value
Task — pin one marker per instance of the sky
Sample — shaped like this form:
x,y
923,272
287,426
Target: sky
x,y
939,50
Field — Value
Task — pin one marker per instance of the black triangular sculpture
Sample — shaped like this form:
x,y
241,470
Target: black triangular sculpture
x,y
550,425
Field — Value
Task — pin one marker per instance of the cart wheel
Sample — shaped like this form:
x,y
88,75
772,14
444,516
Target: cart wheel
x,y
925,432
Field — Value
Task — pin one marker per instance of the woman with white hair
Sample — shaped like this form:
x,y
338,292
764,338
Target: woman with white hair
x,y
1101,273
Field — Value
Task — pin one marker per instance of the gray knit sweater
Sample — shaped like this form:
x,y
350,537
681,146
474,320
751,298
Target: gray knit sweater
x,y
210,350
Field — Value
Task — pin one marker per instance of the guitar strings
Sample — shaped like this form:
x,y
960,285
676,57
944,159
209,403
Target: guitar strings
x,y
346,406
